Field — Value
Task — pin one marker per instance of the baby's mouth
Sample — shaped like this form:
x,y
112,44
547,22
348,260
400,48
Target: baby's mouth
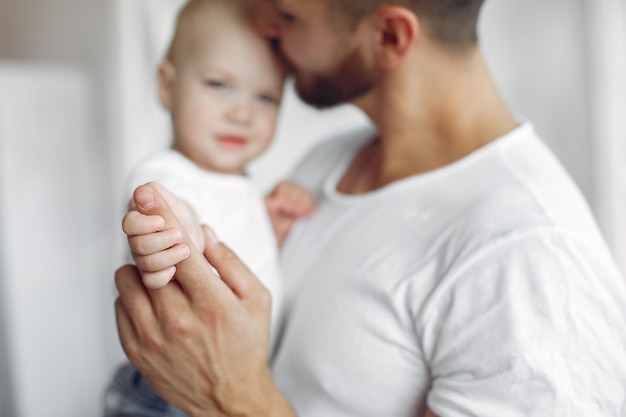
x,y
232,141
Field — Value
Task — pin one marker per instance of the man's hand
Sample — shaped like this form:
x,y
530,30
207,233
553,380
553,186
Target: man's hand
x,y
202,340
285,204
155,249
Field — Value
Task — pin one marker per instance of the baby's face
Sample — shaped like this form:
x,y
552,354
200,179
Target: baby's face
x,y
225,98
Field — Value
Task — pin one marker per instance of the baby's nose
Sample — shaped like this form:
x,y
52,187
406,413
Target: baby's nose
x,y
240,111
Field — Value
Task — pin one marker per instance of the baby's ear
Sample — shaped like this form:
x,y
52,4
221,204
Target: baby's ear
x,y
167,72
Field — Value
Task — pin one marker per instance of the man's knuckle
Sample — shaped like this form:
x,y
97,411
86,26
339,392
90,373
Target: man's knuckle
x,y
151,342
131,351
176,325
120,281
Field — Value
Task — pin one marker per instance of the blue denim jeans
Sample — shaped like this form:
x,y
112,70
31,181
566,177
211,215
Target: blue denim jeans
x,y
130,395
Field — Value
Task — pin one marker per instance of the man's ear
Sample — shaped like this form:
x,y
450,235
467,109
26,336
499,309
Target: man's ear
x,y
167,73
398,29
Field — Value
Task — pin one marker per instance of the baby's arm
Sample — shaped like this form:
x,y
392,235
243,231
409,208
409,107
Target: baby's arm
x,y
285,204
156,250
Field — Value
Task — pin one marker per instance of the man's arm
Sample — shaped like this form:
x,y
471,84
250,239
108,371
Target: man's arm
x,y
201,341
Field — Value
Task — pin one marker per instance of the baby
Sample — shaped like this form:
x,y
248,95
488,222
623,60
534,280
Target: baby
x,y
222,84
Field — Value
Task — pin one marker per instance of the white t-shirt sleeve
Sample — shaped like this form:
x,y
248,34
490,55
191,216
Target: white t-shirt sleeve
x,y
524,329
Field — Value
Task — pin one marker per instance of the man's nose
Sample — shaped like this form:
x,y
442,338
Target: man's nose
x,y
266,19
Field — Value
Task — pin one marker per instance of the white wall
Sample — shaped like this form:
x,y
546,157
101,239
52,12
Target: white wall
x,y
607,81
52,337
537,50
56,316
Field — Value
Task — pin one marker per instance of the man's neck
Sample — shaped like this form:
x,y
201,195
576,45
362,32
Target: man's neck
x,y
424,125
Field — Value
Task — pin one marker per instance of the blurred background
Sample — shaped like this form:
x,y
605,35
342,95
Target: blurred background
x,y
78,107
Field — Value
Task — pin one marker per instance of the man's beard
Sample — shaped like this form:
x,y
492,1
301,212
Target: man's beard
x,y
349,81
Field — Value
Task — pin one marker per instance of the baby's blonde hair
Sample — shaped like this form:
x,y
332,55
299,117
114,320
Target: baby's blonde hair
x,y
196,14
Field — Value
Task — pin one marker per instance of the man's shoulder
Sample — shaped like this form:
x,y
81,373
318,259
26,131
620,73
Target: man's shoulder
x,y
329,154
344,140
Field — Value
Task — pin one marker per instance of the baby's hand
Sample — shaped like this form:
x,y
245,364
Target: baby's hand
x,y
156,250
285,204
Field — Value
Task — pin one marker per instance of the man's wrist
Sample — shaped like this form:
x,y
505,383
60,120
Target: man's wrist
x,y
268,401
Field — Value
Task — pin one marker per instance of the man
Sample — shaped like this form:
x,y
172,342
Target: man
x,y
451,268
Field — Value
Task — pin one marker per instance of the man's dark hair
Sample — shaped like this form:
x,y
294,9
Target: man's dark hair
x,y
452,23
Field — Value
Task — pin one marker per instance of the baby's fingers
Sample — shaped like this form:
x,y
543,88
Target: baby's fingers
x,y
134,223
148,244
156,280
162,260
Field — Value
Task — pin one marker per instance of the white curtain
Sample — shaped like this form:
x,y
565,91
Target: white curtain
x,y
144,29
607,55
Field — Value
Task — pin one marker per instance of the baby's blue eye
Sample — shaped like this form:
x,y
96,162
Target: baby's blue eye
x,y
268,98
217,84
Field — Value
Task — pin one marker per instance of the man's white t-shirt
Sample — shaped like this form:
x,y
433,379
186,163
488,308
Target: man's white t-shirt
x,y
231,205
482,288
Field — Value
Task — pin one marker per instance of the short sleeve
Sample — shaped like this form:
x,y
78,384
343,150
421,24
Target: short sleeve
x,y
532,326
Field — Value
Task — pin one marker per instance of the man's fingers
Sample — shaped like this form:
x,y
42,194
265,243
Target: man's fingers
x,y
136,303
126,332
194,274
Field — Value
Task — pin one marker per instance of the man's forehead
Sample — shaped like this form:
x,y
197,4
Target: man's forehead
x,y
300,5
